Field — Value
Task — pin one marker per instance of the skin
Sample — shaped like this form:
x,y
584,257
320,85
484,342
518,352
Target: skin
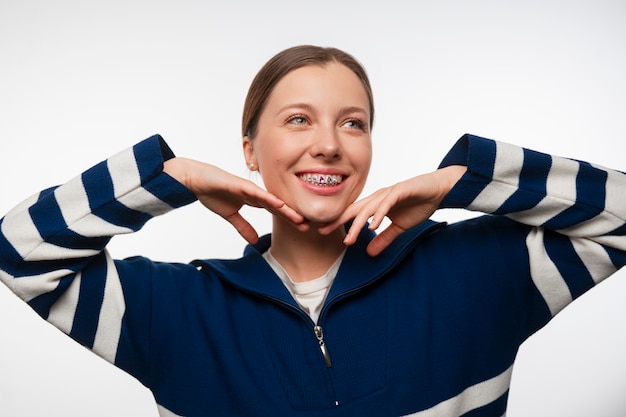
x,y
315,121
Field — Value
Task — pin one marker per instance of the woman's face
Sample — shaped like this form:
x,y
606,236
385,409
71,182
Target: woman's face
x,y
313,146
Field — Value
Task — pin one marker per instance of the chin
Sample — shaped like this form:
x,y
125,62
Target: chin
x,y
320,217
322,211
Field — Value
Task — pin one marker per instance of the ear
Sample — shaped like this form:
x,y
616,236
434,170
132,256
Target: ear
x,y
248,153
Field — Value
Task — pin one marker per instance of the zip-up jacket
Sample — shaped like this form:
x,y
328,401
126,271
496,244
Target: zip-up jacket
x,y
430,327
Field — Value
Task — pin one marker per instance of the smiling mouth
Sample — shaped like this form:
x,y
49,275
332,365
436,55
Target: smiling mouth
x,y
323,180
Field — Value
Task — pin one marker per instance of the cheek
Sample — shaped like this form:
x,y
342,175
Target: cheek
x,y
364,159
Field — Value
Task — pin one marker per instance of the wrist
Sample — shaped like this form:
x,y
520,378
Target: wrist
x,y
449,177
177,168
452,174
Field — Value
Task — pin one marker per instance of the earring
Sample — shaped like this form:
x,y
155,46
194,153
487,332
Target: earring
x,y
251,165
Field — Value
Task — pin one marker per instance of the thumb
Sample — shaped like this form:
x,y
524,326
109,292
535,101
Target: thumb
x,y
384,239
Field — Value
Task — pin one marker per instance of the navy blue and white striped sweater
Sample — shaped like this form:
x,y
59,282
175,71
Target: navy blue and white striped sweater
x,y
430,327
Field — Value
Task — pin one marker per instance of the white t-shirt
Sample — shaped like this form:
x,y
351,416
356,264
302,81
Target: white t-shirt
x,y
309,295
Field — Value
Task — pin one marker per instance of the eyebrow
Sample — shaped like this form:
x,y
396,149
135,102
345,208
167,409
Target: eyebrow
x,y
308,107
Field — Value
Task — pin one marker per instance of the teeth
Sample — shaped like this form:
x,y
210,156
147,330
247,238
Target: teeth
x,y
321,179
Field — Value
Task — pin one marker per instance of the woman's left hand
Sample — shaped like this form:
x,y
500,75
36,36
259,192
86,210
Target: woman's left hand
x,y
406,204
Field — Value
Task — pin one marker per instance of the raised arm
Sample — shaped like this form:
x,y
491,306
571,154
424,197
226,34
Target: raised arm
x,y
576,210
52,246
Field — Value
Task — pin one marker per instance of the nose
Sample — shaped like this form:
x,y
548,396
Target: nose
x,y
326,143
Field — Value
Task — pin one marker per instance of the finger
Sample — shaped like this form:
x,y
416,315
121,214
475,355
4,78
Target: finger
x,y
383,207
373,210
349,214
384,239
358,223
289,214
255,196
340,221
260,198
244,228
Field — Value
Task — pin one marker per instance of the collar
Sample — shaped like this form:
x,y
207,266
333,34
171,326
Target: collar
x,y
251,273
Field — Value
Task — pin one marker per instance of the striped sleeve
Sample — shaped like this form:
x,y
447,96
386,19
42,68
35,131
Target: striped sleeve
x,y
52,246
576,211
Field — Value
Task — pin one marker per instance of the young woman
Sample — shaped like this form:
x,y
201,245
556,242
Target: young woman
x,y
323,317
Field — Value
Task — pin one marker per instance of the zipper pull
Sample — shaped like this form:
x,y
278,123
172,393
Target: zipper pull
x,y
320,339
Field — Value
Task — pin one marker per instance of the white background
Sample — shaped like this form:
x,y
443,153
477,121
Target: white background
x,y
82,80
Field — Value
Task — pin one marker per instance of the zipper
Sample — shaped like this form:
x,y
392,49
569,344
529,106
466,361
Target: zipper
x,y
318,330
319,333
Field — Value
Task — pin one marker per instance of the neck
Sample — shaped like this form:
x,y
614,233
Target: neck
x,y
305,255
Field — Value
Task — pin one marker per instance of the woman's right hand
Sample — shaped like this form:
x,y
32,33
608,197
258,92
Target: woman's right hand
x,y
225,194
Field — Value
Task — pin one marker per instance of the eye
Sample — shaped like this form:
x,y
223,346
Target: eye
x,y
297,119
355,124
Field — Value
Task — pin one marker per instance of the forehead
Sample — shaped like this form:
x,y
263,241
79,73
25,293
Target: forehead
x,y
331,83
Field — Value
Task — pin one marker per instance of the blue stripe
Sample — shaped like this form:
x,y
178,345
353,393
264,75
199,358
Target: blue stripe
x,y
617,257
587,185
90,300
532,183
47,216
589,202
68,239
43,303
120,215
10,257
32,268
149,155
560,249
98,185
47,192
482,154
458,154
170,191
620,231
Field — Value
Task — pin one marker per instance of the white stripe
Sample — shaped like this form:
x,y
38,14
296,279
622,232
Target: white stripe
x,y
24,205
127,185
560,194
124,172
595,259
471,398
507,169
614,213
545,274
509,161
72,200
74,203
6,279
561,181
616,242
30,287
64,309
111,313
46,251
22,233
615,202
142,200
94,226
545,210
599,225
164,412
